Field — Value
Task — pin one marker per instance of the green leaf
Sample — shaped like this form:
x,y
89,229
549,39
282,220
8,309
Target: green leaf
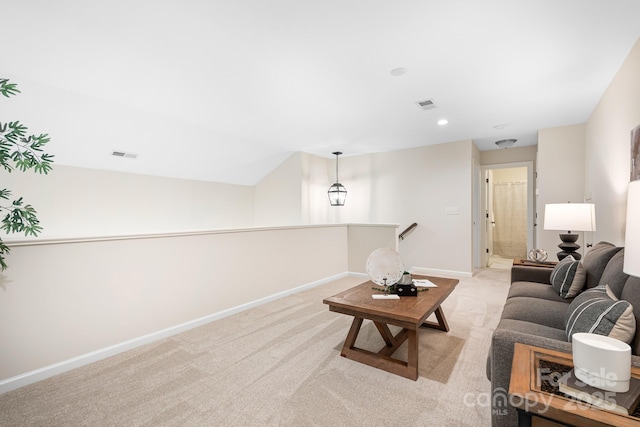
x,y
22,152
4,251
7,89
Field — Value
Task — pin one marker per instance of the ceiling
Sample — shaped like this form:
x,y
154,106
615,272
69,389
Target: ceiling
x,y
226,90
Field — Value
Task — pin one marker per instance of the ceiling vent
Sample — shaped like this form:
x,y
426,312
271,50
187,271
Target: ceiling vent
x,y
427,104
123,154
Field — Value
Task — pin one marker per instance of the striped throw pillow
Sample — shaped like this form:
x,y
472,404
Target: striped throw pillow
x,y
598,311
568,277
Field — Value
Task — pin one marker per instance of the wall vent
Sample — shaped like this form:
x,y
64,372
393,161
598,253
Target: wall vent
x,y
426,104
123,154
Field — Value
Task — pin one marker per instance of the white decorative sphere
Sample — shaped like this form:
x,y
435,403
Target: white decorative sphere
x,y
384,266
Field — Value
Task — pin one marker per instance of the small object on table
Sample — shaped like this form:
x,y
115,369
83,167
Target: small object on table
x,y
538,255
622,403
385,296
406,290
424,283
384,267
406,279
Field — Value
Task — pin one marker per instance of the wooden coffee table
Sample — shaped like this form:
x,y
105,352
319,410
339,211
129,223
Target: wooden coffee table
x,y
410,313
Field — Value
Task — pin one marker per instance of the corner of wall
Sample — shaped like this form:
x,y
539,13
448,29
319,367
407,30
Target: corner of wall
x,y
608,142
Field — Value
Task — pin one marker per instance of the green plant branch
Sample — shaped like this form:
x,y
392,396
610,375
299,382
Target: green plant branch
x,y
22,152
7,89
25,152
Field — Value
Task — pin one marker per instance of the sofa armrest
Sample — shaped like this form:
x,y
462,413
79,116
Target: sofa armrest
x,y
522,273
499,364
499,368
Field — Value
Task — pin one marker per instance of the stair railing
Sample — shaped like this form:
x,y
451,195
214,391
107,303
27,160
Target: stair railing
x,y
407,230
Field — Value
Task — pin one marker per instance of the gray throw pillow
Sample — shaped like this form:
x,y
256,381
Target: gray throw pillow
x,y
568,277
598,311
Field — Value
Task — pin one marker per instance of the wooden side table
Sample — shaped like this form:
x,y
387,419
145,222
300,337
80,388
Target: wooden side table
x,y
535,406
528,263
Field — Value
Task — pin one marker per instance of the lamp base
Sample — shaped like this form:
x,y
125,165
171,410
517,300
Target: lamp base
x,y
568,246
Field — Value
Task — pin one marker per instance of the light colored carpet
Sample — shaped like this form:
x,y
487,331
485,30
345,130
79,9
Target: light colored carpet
x,y
496,261
279,365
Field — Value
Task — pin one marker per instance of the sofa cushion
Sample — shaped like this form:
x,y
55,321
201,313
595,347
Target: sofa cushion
x,y
533,329
613,276
525,273
598,311
536,310
596,260
534,290
565,278
631,293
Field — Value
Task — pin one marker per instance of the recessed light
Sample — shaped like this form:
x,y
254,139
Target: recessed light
x,y
398,71
443,122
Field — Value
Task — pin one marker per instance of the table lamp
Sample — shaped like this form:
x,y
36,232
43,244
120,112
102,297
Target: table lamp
x,y
602,361
632,234
569,216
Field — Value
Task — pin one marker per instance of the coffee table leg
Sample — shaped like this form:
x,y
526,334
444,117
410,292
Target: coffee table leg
x,y
441,324
352,335
412,355
386,334
382,359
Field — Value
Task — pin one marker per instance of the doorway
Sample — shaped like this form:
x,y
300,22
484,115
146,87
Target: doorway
x,y
507,204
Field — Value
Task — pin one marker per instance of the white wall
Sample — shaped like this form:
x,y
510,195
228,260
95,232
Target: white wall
x,y
366,238
397,187
90,298
608,139
278,196
604,142
561,166
416,185
296,192
509,155
78,202
318,174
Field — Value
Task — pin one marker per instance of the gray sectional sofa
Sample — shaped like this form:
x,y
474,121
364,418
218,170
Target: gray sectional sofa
x,y
535,313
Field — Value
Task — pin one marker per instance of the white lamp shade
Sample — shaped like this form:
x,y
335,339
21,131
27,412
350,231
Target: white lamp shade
x,y
570,217
632,235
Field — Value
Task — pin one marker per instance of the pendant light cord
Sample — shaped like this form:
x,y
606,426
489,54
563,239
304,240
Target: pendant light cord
x,y
337,153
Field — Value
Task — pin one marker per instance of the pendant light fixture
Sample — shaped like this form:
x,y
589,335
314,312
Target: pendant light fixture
x,y
337,192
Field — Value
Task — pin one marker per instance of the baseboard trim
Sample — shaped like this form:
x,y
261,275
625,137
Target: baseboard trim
x,y
40,374
441,273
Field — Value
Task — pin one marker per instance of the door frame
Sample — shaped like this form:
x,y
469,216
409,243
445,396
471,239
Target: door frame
x,y
483,208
